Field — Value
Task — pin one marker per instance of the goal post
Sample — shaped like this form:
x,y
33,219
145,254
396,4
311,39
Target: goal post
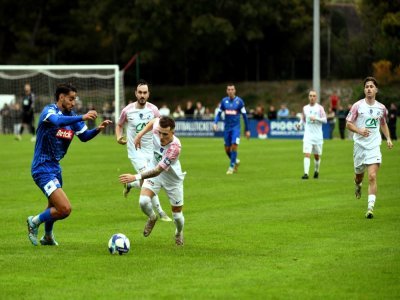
x,y
99,86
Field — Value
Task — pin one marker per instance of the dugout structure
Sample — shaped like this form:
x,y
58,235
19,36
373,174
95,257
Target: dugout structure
x,y
99,86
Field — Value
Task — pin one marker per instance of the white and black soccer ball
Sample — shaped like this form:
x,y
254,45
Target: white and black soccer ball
x,y
119,243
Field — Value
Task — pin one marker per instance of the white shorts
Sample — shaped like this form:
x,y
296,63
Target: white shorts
x,y
174,190
364,157
312,148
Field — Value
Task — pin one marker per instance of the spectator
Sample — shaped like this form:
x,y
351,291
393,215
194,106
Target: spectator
x,y
334,101
258,113
6,119
108,114
189,110
15,120
178,113
283,112
272,115
341,115
199,110
164,110
392,119
331,121
28,103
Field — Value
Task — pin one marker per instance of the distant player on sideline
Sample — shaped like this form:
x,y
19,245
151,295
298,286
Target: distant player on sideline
x,y
232,106
56,129
364,119
28,102
313,117
136,115
165,172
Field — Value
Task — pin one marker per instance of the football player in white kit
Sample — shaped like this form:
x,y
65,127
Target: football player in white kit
x,y
166,172
136,115
313,117
365,119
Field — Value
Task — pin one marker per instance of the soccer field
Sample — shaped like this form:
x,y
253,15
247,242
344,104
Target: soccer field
x,y
262,233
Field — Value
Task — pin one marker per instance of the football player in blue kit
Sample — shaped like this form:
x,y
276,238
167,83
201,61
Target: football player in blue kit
x,y
58,124
233,107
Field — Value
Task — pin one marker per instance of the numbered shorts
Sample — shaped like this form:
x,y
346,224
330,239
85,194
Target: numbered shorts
x,y
312,148
364,157
174,190
140,161
232,137
48,182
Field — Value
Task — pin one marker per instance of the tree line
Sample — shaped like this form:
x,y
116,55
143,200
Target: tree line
x,y
191,42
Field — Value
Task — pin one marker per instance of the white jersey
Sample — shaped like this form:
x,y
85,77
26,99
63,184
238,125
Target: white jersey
x,y
167,157
313,129
368,116
136,119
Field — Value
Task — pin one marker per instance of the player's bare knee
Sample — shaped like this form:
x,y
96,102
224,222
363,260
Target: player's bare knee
x,y
64,211
372,177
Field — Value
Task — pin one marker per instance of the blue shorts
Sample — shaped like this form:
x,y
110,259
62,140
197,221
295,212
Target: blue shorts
x,y
48,182
232,136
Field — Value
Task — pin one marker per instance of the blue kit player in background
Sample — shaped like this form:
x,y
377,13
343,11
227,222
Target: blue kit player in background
x,y
233,107
58,124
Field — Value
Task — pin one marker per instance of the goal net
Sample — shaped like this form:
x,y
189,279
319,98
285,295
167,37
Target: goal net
x,y
100,87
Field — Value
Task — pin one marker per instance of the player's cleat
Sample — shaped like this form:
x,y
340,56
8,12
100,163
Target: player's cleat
x,y
126,190
179,238
357,190
230,171
149,225
305,176
316,174
32,231
48,241
164,217
33,139
369,214
18,137
235,168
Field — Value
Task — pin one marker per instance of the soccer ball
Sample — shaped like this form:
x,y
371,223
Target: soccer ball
x,y
119,243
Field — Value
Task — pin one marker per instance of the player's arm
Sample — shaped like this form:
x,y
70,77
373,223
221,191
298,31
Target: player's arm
x,y
87,135
302,120
125,178
246,122
386,132
217,118
119,131
140,134
61,120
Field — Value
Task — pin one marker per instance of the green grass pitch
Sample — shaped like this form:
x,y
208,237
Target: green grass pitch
x,y
262,233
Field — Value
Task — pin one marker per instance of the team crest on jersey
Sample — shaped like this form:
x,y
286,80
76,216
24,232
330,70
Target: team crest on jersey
x,y
65,134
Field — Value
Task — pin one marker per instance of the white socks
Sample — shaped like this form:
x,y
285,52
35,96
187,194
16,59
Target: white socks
x,y
145,205
316,164
179,221
156,204
371,202
306,165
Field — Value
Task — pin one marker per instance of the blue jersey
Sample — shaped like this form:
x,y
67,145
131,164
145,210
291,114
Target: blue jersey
x,y
233,108
52,140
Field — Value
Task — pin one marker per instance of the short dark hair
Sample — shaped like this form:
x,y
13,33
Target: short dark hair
x,y
370,78
167,122
141,82
64,88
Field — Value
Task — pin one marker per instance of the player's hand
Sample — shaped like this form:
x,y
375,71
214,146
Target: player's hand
x,y
297,126
122,140
364,132
125,178
90,115
247,133
389,143
215,127
138,142
104,124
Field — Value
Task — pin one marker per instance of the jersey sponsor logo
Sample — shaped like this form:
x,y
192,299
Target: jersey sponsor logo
x,y
230,112
140,126
64,134
157,156
371,123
